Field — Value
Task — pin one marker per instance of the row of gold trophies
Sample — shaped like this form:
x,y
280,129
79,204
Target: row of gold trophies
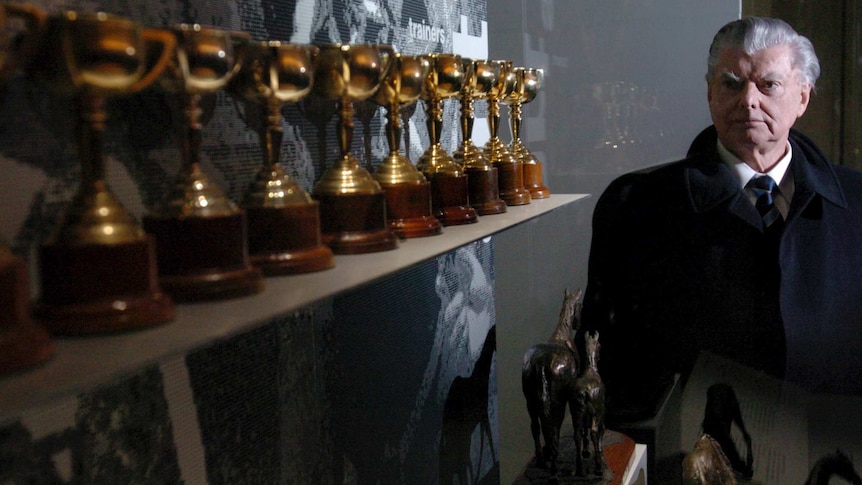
x,y
102,271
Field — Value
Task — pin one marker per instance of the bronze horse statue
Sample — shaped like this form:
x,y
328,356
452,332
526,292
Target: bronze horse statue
x,y
589,415
707,464
833,464
548,380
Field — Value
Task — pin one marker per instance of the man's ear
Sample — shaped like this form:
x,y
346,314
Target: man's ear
x,y
805,97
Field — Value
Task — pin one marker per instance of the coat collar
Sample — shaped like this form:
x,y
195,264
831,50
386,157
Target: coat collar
x,y
711,183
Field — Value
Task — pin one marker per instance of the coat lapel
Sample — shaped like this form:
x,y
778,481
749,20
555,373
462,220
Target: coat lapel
x,y
812,175
711,185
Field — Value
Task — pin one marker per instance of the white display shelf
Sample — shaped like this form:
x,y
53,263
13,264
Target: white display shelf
x,y
82,363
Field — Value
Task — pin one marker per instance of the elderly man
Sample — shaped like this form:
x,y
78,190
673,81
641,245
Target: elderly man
x,y
750,247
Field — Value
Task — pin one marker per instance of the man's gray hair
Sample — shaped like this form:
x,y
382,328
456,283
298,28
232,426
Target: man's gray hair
x,y
752,34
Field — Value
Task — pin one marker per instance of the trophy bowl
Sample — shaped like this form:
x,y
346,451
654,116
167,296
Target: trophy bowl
x,y
98,268
23,342
482,180
528,83
407,191
283,219
510,169
450,200
352,203
200,234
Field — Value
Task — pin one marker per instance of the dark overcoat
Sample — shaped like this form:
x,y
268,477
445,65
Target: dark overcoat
x,y
680,263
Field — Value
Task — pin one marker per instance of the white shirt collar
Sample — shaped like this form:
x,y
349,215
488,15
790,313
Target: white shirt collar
x,y
745,173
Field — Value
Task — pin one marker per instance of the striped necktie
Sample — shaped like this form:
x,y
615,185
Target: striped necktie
x,y
762,187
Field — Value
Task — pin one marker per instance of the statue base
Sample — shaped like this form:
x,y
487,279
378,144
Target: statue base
x,y
355,223
533,181
287,240
618,449
450,200
100,288
484,191
204,258
512,183
408,210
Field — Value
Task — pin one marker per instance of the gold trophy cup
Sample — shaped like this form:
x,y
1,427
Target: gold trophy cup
x,y
408,193
528,82
450,200
510,169
352,203
484,190
283,220
98,269
23,343
200,233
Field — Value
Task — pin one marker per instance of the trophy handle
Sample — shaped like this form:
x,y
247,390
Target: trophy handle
x,y
239,39
387,57
168,45
34,19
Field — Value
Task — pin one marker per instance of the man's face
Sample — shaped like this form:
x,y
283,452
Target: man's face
x,y
754,101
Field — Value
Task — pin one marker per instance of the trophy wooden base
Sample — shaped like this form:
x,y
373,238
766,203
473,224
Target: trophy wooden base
x,y
484,191
23,343
287,240
408,210
204,258
450,199
355,223
100,288
512,183
533,181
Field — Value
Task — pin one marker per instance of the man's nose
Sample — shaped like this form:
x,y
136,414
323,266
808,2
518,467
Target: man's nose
x,y
750,95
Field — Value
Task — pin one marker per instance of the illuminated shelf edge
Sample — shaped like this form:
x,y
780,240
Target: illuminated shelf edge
x,y
82,363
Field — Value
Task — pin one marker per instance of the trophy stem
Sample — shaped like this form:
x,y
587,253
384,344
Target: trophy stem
x,y
394,128
435,121
467,117
515,117
493,117
365,113
345,129
90,128
273,136
191,127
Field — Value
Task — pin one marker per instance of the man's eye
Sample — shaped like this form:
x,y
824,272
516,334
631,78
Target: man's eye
x,y
733,84
769,86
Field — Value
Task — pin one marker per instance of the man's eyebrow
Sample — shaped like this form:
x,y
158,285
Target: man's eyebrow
x,y
730,76
774,75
